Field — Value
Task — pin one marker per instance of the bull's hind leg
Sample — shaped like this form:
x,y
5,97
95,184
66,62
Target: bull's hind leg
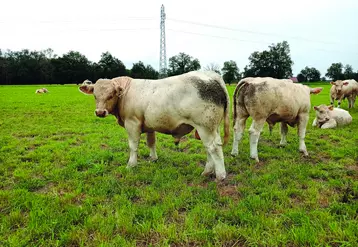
x,y
151,144
302,124
255,130
284,130
213,145
239,128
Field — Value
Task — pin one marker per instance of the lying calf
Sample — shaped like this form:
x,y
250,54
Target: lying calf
x,y
328,117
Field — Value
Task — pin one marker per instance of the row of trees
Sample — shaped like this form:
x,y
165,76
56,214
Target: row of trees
x,y
45,67
336,72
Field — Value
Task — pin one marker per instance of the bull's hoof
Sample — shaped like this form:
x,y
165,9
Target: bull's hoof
x,y
220,177
234,153
208,171
255,158
304,152
153,159
130,165
282,144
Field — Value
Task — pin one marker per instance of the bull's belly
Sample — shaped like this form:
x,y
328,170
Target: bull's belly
x,y
179,130
289,119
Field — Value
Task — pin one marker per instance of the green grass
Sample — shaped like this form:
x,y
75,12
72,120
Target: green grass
x,y
63,182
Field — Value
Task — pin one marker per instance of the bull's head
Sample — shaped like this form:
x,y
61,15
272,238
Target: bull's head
x,y
323,113
106,93
339,84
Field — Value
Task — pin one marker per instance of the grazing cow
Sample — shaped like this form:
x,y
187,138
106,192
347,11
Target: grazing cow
x,y
344,89
86,82
174,106
328,117
270,100
42,90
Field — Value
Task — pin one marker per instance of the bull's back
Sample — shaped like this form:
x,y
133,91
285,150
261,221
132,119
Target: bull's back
x,y
169,102
265,97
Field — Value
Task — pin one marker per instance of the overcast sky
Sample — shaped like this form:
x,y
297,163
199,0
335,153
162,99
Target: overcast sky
x,y
319,32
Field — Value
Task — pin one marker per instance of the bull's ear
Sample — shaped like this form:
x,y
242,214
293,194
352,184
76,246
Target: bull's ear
x,y
315,108
86,89
345,83
316,90
333,83
330,107
121,83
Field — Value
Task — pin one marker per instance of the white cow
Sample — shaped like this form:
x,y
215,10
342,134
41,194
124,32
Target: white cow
x,y
270,100
344,89
328,117
42,90
174,106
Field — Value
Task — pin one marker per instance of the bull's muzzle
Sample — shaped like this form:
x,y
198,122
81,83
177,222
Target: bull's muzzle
x,y
101,113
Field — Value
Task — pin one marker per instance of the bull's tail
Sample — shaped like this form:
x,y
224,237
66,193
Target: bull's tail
x,y
227,122
239,85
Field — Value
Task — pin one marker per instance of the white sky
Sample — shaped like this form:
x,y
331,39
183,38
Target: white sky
x,y
130,29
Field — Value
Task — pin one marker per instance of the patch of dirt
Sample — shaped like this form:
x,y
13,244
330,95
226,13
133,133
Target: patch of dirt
x,y
152,240
324,137
104,146
46,189
79,199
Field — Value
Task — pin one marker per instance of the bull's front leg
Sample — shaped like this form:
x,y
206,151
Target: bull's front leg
x,y
314,124
133,130
330,124
151,144
339,101
301,131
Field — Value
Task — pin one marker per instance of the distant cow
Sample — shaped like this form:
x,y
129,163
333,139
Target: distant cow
x,y
42,90
86,82
328,117
270,100
174,106
344,89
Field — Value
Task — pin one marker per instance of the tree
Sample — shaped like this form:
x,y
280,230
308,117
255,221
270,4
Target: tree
x,y
182,63
231,72
72,67
335,71
311,74
213,67
110,66
139,70
276,62
348,72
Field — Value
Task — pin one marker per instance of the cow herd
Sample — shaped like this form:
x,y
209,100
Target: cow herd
x,y
199,100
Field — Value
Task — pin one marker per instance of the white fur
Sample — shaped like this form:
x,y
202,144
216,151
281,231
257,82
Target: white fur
x,y
275,101
337,117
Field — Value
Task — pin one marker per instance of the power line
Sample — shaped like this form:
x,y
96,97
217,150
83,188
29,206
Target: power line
x,y
251,32
249,41
220,37
81,20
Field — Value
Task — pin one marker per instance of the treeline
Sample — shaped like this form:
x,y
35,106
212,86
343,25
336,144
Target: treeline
x,y
44,67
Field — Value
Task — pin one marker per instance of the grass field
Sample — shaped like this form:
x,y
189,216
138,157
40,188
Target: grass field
x,y
63,182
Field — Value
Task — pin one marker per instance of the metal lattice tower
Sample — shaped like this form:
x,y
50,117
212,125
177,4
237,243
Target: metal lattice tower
x,y
163,52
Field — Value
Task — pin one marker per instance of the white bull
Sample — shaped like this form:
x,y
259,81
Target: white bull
x,y
328,117
270,100
174,106
344,89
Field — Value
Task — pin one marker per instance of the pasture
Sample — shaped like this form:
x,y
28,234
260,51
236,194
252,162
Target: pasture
x,y
64,182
